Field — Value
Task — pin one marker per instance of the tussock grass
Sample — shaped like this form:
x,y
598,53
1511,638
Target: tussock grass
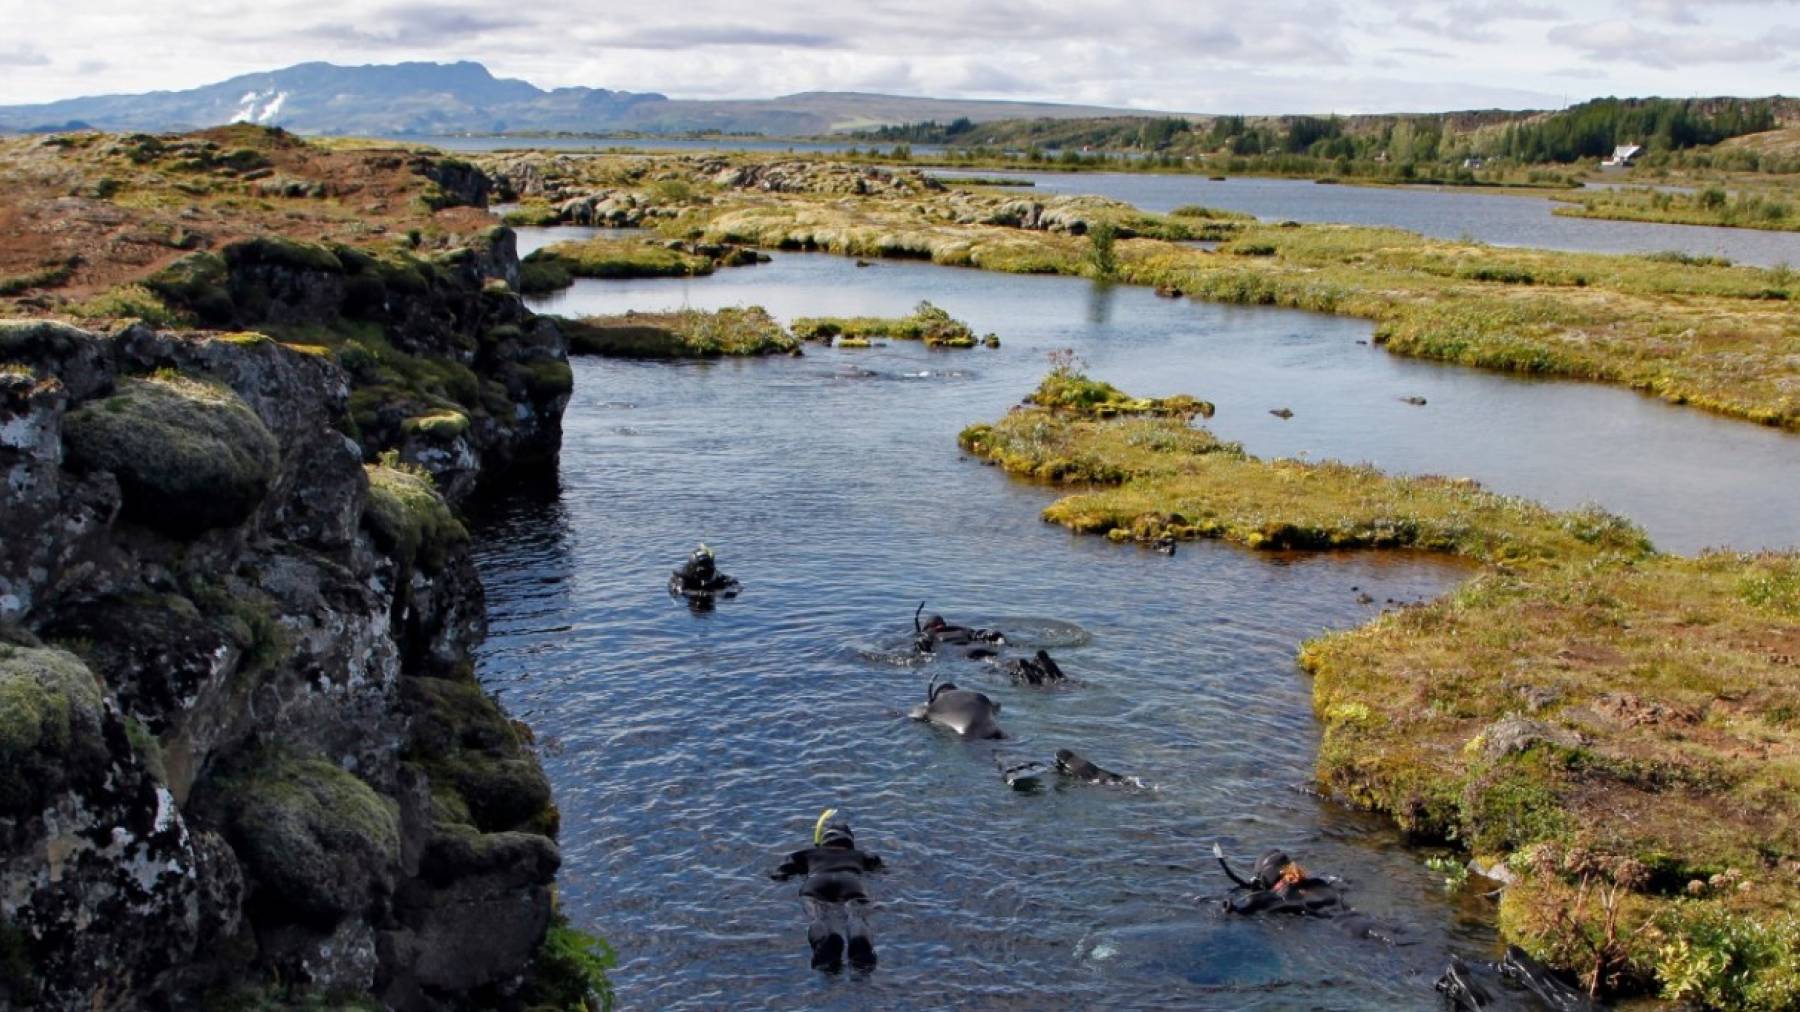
x,y
1710,206
1631,727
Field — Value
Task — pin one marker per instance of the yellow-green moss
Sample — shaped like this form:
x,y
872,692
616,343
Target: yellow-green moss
x,y
49,723
549,268
129,302
439,425
1174,481
409,518
1066,390
311,834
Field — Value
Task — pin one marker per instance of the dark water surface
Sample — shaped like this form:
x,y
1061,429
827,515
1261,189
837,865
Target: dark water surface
x,y
690,752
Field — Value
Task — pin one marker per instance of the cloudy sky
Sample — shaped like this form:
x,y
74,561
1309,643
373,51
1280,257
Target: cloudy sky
x,y
1184,55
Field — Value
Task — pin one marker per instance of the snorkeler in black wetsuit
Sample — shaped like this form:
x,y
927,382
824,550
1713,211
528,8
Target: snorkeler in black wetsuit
x,y
1514,982
833,894
935,632
699,577
1280,886
1038,670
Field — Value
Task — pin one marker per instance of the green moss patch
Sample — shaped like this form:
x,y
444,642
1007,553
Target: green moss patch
x,y
1173,481
481,771
50,725
317,843
189,455
1070,392
442,426
409,518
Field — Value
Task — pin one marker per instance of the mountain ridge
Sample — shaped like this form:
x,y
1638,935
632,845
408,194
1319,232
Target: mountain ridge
x,y
427,99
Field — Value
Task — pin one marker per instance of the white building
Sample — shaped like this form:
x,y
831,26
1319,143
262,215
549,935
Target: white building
x,y
1623,156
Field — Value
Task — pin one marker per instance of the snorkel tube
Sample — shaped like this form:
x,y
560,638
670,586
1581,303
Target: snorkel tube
x,y
1219,855
819,827
921,610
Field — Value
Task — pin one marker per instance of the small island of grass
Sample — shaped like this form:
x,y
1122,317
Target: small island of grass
x,y
688,333
927,323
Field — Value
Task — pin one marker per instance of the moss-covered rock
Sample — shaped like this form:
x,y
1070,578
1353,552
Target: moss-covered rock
x,y
276,251
189,455
155,654
409,518
50,725
316,842
466,744
197,282
438,425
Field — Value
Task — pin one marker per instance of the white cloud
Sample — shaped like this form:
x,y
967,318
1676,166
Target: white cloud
x,y
1188,55
1621,41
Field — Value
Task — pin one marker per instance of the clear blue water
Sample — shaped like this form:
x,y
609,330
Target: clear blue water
x,y
691,752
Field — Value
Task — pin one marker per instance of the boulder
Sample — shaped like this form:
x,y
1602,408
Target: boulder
x,y
316,843
189,455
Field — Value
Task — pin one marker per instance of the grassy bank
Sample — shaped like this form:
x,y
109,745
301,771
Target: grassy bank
x,y
688,333
1625,738
1710,206
1615,731
1161,478
1691,331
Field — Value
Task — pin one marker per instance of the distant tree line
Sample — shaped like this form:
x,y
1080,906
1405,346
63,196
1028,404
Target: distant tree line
x,y
1594,129
1590,130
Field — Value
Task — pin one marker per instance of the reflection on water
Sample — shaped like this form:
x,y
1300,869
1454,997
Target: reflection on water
x,y
1693,480
691,752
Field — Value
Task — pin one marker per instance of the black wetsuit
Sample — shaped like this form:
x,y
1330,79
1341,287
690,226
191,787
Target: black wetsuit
x,y
1313,897
1504,986
1038,670
936,632
833,892
699,576
1267,892
1072,765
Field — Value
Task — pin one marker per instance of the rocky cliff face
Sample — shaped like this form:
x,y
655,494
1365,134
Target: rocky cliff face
x,y
240,739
